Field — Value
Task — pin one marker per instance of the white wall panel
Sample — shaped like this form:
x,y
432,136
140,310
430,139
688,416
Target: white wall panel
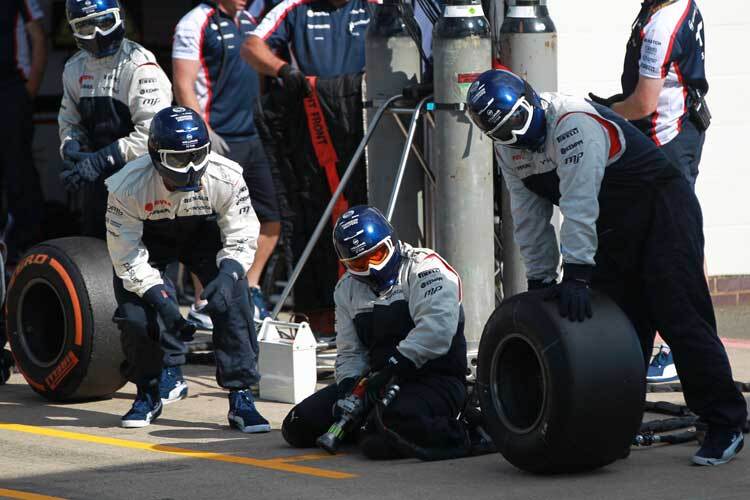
x,y
592,35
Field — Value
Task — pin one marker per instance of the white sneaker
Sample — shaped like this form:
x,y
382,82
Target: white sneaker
x,y
200,318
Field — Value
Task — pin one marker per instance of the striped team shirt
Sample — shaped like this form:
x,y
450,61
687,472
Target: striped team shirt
x,y
15,53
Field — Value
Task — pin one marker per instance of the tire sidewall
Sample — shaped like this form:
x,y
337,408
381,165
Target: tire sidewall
x,y
531,449
60,379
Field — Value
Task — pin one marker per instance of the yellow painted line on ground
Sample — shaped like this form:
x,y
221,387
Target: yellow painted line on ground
x,y
273,464
22,495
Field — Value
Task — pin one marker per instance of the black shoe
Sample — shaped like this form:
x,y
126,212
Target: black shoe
x,y
719,446
6,363
479,442
375,447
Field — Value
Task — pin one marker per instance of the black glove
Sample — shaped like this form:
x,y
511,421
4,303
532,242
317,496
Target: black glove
x,y
574,294
609,101
169,312
343,391
346,386
88,167
294,80
396,365
539,284
218,292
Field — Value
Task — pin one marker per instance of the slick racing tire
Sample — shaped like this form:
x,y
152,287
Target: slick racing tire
x,y
560,396
59,310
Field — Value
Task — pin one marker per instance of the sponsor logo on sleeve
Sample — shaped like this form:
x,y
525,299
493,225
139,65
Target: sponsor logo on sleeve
x,y
570,147
567,134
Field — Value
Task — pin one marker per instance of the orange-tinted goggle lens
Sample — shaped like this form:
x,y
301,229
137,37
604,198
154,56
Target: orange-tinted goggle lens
x,y
374,257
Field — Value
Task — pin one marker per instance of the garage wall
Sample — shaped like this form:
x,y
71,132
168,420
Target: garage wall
x,y
592,36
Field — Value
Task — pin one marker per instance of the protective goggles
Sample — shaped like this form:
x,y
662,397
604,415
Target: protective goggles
x,y
374,259
102,22
515,124
182,161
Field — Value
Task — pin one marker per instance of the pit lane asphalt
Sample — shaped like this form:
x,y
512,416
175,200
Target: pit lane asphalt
x,y
78,451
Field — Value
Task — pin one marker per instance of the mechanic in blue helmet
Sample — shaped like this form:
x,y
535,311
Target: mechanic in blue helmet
x,y
182,202
398,314
112,88
632,229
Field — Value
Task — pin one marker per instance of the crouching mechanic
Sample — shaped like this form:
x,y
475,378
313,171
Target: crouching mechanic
x,y
111,89
632,228
181,202
398,313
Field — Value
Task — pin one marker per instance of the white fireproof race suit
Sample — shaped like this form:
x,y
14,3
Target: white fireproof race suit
x,y
138,197
112,99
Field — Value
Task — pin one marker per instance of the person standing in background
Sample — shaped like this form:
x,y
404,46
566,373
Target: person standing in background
x,y
211,78
663,88
112,88
23,57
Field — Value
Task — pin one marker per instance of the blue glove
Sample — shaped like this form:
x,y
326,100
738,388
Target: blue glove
x,y
218,292
396,365
574,293
88,167
70,178
70,148
167,309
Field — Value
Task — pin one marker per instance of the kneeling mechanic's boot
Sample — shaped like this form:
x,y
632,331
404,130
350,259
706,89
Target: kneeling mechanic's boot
x,y
243,415
376,447
172,386
146,408
6,363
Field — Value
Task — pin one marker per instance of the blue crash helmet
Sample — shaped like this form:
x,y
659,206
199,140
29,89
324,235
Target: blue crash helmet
x,y
179,146
367,246
98,27
507,109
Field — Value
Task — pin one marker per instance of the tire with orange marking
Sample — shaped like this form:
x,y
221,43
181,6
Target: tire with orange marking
x,y
59,311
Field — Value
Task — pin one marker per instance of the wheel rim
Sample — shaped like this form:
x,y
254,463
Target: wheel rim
x,y
41,320
518,383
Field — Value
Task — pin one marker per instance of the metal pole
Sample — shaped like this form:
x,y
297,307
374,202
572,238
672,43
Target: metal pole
x,y
327,213
405,157
462,155
528,46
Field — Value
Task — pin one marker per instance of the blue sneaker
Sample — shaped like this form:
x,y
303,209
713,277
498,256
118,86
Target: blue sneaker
x,y
243,415
719,447
259,302
172,387
146,408
662,368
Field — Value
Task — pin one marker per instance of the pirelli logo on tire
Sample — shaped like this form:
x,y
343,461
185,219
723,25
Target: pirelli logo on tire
x,y
61,370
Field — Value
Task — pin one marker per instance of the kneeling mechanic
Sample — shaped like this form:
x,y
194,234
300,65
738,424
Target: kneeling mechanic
x,y
398,314
182,202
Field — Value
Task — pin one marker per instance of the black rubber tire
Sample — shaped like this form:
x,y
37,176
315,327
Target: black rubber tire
x,y
59,312
559,396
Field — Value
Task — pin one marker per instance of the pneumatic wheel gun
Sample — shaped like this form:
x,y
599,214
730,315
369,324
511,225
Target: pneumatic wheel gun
x,y
353,411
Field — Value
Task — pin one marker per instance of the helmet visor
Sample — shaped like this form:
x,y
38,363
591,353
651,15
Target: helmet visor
x,y
103,22
515,123
373,258
182,160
